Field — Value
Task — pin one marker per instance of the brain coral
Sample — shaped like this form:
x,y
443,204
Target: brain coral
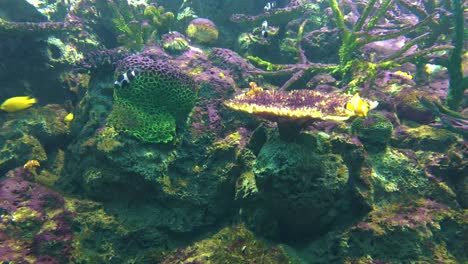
x,y
159,98
202,30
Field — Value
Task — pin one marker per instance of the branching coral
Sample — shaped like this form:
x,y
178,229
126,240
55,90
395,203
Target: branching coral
x,y
136,27
402,20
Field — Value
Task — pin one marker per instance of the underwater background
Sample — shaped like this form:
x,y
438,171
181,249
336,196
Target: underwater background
x,y
221,131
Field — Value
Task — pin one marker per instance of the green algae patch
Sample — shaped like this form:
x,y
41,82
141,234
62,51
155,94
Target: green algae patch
x,y
234,244
425,138
396,172
374,130
97,234
417,231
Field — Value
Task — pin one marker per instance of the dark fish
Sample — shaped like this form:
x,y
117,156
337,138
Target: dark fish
x,y
264,29
269,6
124,79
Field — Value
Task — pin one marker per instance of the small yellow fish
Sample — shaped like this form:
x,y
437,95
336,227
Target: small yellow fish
x,y
18,103
68,118
254,89
31,164
404,74
358,106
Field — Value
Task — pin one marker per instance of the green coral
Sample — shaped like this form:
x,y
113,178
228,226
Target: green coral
x,y
97,233
396,172
176,45
202,31
374,130
159,98
416,231
426,138
137,28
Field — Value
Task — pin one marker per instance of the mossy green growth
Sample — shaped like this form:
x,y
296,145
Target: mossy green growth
x,y
426,138
410,231
97,233
396,172
153,104
374,130
234,244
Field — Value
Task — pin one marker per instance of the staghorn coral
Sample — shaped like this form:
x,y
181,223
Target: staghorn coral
x,y
159,98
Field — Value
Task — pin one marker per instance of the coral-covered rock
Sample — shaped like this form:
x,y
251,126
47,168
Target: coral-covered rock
x,y
398,172
174,42
301,191
234,244
375,130
410,231
424,138
202,30
26,135
413,231
236,66
409,107
34,224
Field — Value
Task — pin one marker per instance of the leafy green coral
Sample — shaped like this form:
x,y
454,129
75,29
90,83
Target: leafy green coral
x,y
138,27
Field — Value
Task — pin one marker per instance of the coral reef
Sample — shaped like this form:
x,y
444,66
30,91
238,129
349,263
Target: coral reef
x,y
203,31
174,42
35,227
374,130
136,123
416,227
159,98
230,245
295,109
299,189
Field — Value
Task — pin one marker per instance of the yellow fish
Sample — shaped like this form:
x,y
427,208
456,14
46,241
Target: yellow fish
x,y
68,118
358,106
404,74
18,103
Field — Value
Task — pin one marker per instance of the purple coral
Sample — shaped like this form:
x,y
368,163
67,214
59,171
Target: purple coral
x,y
236,66
38,28
25,206
276,105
